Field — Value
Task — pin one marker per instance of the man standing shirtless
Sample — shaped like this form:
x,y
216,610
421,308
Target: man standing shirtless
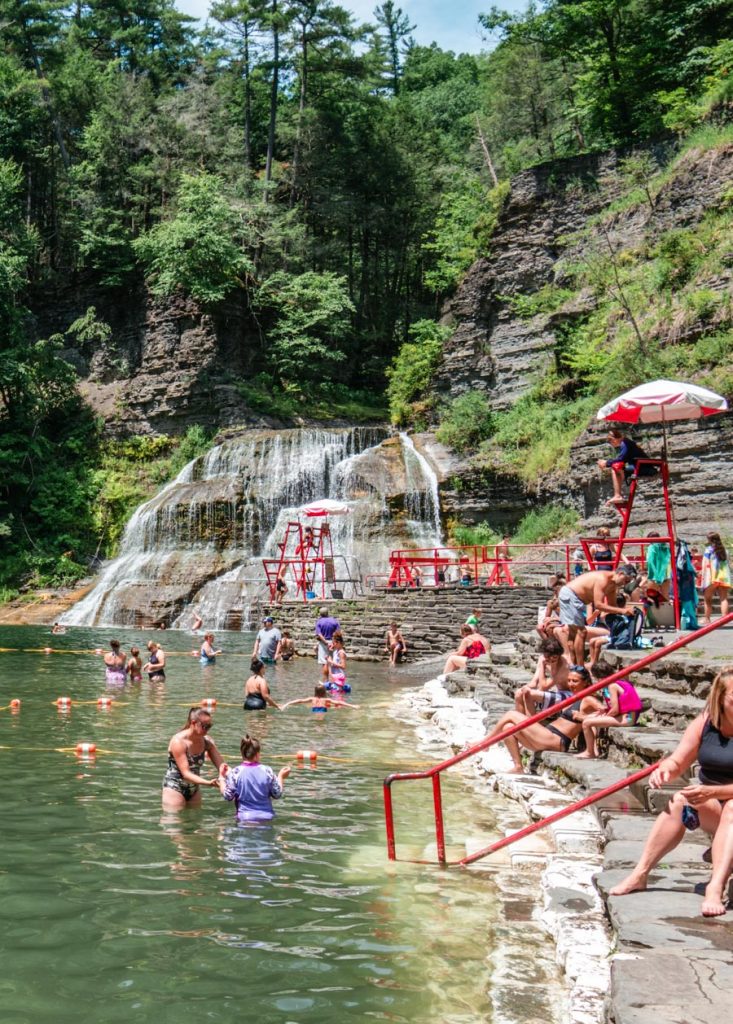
x,y
598,589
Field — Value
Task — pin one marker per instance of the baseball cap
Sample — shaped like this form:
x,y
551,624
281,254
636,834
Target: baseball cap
x,y
268,618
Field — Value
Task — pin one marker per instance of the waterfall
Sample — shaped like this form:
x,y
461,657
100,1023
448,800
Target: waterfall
x,y
199,542
421,495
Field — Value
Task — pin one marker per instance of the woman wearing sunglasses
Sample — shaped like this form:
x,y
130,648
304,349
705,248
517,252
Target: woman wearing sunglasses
x,y
187,752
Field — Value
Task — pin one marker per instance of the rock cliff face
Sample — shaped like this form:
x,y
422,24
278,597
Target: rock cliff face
x,y
495,352
169,363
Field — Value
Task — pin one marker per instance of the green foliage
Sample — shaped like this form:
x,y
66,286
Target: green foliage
x,y
465,222
466,422
535,435
546,300
479,535
412,369
200,249
330,401
132,470
313,327
550,522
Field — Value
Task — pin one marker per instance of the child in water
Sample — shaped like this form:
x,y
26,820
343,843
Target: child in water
x,y
134,667
320,702
253,786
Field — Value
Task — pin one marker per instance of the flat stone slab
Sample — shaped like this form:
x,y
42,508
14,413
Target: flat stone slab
x,y
665,916
665,988
636,828
622,854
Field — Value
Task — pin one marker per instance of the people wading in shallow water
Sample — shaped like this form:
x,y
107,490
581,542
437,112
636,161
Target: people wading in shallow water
x,y
207,654
256,691
115,663
706,804
253,786
187,751
320,701
155,665
134,665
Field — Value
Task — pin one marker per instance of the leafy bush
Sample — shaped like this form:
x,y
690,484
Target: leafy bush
x,y
465,222
313,324
412,368
546,524
546,300
481,534
200,250
466,423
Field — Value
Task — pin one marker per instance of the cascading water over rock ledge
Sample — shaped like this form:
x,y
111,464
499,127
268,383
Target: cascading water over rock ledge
x,y
198,542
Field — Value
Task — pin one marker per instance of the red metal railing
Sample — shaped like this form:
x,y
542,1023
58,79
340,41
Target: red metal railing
x,y
435,772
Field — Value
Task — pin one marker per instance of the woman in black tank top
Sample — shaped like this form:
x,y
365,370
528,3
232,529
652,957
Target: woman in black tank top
x,y
707,803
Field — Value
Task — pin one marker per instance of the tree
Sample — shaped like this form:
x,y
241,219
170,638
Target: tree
x,y
312,327
201,249
397,28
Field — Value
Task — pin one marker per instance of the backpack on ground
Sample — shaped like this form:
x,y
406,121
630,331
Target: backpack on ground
x,y
625,631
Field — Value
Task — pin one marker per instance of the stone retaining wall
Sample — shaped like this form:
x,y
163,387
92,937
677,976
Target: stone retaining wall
x,y
430,619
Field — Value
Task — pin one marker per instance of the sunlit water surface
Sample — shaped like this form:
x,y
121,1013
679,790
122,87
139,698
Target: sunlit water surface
x,y
111,912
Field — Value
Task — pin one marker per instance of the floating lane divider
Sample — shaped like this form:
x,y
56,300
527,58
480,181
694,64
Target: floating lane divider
x,y
65,703
13,706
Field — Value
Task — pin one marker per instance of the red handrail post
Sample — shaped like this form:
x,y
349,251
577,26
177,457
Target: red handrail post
x,y
439,831
389,820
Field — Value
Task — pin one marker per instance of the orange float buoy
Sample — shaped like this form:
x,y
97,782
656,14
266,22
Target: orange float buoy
x,y
104,702
63,703
48,650
98,650
15,704
208,702
86,748
307,755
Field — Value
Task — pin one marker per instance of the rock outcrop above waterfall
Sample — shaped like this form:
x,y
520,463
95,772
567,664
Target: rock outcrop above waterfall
x,y
546,227
169,363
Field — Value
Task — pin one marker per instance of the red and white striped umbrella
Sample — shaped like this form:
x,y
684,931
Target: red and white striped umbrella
x,y
662,401
325,507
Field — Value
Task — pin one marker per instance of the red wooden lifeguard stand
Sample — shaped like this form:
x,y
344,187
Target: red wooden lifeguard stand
x,y
306,553
624,510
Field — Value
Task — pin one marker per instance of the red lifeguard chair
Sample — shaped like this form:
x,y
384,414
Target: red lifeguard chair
x,y
624,508
306,553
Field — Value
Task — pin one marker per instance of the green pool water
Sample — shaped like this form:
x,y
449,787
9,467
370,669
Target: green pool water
x,y
112,912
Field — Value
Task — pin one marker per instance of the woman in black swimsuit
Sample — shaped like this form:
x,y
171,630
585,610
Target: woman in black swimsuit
x,y
155,666
187,752
707,804
256,691
556,735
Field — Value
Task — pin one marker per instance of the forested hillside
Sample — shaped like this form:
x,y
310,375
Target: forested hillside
x,y
334,178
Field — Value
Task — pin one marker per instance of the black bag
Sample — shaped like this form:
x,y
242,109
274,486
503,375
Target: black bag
x,y
625,630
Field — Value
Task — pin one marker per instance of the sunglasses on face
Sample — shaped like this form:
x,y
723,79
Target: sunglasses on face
x,y
206,725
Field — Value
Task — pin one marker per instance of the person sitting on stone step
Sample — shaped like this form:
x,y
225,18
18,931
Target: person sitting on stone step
x,y
706,803
472,646
548,685
555,735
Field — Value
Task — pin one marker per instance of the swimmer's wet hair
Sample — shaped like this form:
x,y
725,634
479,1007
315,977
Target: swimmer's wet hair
x,y
256,666
320,690
249,748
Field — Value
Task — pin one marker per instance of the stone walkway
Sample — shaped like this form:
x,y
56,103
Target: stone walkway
x,y
670,965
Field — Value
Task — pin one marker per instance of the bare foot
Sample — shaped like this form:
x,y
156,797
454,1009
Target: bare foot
x,y
631,883
585,756
514,771
713,905
616,500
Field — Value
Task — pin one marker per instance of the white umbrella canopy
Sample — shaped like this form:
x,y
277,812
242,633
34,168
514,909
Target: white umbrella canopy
x,y
325,507
662,401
